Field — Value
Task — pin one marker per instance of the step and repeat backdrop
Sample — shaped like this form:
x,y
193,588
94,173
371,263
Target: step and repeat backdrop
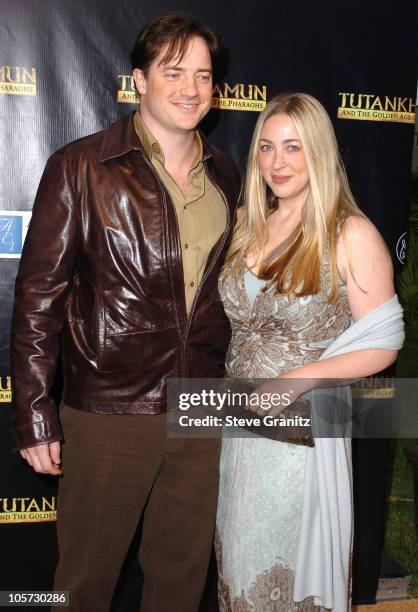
x,y
65,73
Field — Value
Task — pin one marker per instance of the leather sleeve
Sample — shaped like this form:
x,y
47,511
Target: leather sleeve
x,y
42,286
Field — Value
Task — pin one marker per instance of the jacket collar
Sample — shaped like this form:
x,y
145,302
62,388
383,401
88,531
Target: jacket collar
x,y
120,138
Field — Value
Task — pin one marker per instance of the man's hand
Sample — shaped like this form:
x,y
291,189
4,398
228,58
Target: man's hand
x,y
45,459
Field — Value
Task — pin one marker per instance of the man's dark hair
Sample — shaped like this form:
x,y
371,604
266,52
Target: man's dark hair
x,y
175,30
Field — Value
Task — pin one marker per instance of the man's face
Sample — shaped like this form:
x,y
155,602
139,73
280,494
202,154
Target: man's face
x,y
176,96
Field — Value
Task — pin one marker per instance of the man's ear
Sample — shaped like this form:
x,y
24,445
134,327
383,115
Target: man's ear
x,y
140,81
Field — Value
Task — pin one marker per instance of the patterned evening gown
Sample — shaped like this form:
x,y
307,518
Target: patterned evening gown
x,y
261,480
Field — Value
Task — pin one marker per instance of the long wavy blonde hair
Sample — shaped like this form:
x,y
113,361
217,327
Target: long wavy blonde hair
x,y
328,203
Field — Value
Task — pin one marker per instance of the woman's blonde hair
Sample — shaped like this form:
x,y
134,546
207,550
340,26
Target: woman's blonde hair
x,y
328,203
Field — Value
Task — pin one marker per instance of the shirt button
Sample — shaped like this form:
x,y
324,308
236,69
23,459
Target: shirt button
x,y
186,246
192,284
156,147
185,207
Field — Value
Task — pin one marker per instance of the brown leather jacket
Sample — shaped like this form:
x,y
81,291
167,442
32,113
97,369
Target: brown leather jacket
x,y
101,283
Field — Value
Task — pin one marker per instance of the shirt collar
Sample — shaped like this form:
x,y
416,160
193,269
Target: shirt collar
x,y
153,148
121,137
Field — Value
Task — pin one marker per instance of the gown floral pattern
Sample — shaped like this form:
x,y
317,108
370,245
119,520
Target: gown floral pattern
x,y
261,480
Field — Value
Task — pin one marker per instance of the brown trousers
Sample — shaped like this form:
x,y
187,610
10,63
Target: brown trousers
x,y
116,468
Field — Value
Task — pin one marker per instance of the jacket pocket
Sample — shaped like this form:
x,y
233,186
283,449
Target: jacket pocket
x,y
142,358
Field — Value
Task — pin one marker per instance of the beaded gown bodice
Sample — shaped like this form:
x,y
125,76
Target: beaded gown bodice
x,y
277,333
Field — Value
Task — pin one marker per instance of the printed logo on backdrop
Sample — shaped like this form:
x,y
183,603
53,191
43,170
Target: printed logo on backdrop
x,y
5,389
401,248
17,81
27,509
127,93
369,107
239,97
13,228
374,387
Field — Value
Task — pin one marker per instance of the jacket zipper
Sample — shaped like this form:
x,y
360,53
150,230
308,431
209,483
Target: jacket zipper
x,y
208,271
99,329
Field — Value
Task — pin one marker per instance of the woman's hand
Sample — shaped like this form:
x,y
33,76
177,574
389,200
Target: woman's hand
x,y
276,394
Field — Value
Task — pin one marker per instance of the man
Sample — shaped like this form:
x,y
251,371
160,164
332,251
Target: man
x,y
120,266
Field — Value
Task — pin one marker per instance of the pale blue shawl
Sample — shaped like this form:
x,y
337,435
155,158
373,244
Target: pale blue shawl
x,y
325,543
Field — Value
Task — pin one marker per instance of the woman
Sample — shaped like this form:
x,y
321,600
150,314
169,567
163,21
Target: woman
x,y
308,287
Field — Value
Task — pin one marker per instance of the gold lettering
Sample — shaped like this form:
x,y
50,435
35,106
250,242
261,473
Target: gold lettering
x,y
262,92
8,386
242,92
127,82
358,105
367,96
33,506
377,104
28,75
217,91
22,503
367,383
344,100
234,91
390,104
401,107
5,505
9,74
48,505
